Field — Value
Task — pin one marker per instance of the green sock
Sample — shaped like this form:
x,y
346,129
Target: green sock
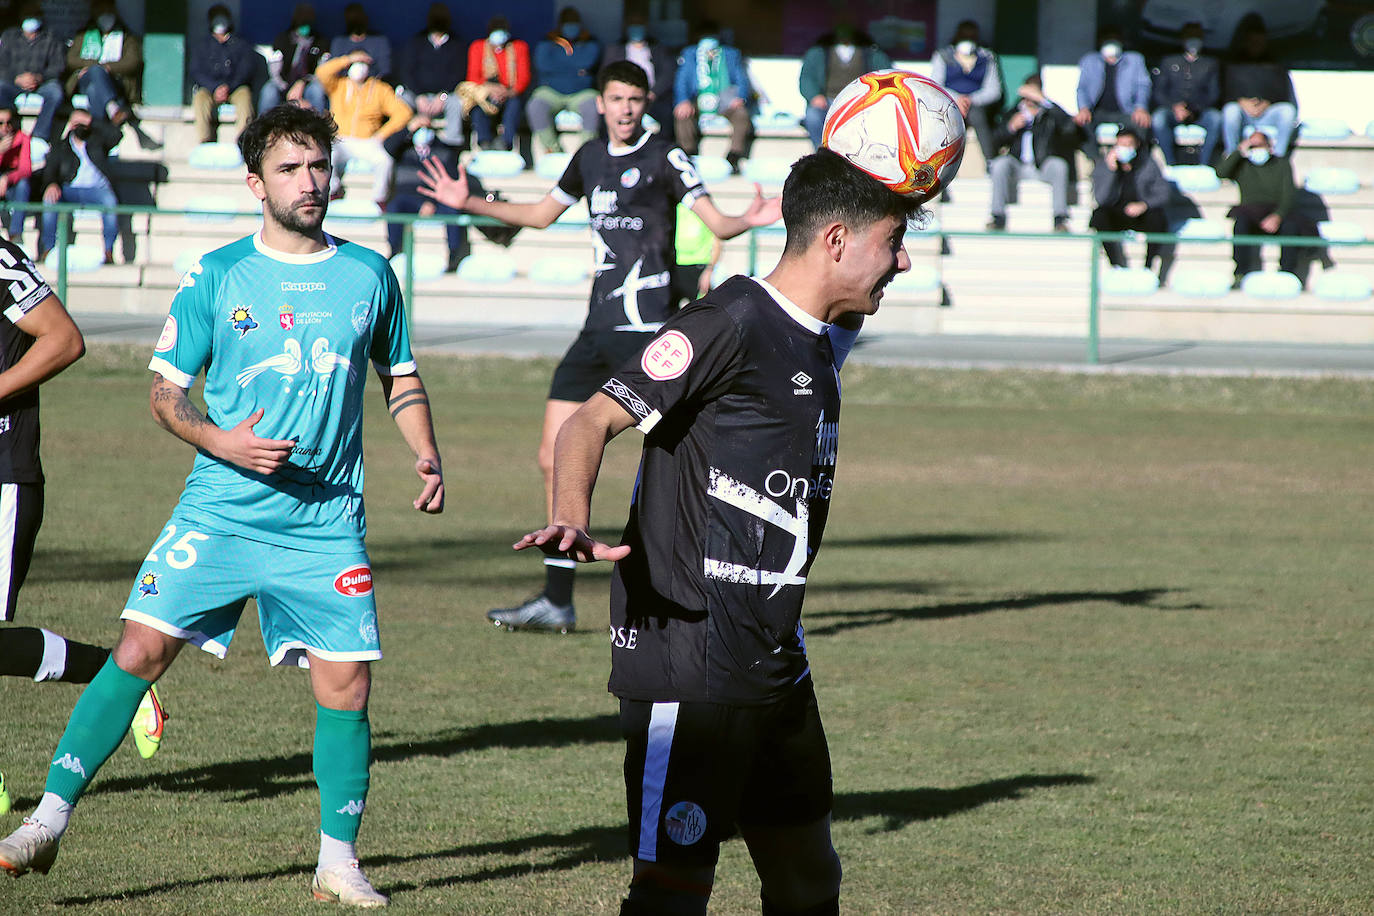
x,y
343,751
97,725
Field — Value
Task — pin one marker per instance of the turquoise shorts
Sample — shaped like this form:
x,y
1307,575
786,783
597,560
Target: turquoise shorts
x,y
193,585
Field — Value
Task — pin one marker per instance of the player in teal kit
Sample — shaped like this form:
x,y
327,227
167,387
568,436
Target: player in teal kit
x,y
283,323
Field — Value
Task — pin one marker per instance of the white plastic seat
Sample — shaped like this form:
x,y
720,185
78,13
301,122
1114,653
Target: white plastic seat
x,y
556,271
187,258
38,152
1106,134
714,123
568,122
769,170
1129,281
1194,179
496,267
212,208
1342,286
712,168
1323,129
496,163
1198,228
428,266
1332,181
1263,284
84,258
1190,135
28,103
1339,231
552,165
227,111
215,156
1201,284
354,210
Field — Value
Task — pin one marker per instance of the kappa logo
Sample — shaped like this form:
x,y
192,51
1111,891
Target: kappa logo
x,y
68,762
307,287
803,383
354,582
354,807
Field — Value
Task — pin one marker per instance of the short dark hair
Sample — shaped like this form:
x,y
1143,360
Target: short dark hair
x,y
823,187
13,111
497,22
219,9
288,121
622,71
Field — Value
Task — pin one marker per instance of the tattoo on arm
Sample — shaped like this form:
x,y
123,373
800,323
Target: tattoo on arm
x,y
181,407
406,400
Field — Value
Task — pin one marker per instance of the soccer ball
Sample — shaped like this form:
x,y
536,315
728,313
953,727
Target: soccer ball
x,y
899,127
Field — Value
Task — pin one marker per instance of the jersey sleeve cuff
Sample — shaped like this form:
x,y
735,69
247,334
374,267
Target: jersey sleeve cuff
x,y
406,368
694,194
645,416
171,373
562,196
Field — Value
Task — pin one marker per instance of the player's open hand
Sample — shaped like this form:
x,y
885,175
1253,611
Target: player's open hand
x,y
763,211
437,184
567,542
431,498
242,447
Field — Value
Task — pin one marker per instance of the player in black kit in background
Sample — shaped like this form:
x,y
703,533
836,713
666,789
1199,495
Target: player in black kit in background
x,y
738,397
632,183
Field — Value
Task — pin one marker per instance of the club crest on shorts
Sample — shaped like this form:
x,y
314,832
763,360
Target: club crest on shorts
x,y
667,357
685,823
354,582
367,628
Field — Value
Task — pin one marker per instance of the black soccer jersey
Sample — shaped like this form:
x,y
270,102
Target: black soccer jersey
x,y
739,398
632,196
23,288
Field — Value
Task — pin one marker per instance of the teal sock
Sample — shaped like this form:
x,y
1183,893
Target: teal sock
x,y
343,751
97,725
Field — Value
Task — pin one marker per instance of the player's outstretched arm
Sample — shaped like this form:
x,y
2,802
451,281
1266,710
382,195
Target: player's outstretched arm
x,y
57,343
409,405
576,463
239,445
437,184
762,211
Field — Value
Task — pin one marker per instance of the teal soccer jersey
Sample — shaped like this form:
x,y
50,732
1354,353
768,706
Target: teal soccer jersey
x,y
291,334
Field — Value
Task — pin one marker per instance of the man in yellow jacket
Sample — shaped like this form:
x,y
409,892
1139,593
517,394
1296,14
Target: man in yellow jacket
x,y
367,111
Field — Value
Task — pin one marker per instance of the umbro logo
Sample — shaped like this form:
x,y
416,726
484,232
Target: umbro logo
x,y
803,382
354,807
68,762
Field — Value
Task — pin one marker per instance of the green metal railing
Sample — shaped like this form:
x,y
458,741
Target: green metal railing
x,y
1093,241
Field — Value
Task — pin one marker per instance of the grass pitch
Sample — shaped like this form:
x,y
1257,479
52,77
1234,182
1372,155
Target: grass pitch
x,y
1083,644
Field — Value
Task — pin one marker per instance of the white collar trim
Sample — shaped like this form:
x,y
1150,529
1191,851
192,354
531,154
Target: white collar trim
x,y
793,311
626,150
286,257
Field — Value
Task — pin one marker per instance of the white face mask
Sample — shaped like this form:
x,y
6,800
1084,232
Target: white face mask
x,y
31,25
499,37
423,136
966,48
1193,46
1111,50
357,71
1258,156
1125,153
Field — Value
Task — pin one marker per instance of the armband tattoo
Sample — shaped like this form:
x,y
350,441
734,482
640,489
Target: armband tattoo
x,y
406,400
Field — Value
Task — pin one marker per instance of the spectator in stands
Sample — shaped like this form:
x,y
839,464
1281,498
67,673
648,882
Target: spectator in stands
x,y
498,75
16,165
639,47
358,36
970,73
430,68
833,62
409,148
301,48
78,171
1113,88
565,64
221,67
1187,89
367,111
31,61
105,61
1260,90
1268,198
712,80
1131,192
1038,140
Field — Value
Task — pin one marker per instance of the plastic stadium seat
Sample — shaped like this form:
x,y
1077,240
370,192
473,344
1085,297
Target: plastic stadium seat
x,y
487,268
428,266
1129,281
1190,135
1197,228
551,165
186,259
1336,231
354,209
1332,181
215,156
1271,285
1106,133
359,166
1324,129
81,101
714,123
1194,179
767,170
1342,287
38,152
922,278
559,271
712,168
1201,284
496,163
212,208
83,258
776,119
568,121
28,103
227,112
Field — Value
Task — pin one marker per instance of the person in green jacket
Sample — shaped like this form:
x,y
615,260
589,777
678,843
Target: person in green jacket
x,y
1268,198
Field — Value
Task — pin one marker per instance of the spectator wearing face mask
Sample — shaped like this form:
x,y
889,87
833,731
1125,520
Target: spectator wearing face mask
x,y
358,36
1187,88
1038,139
78,171
639,47
1132,193
300,48
494,92
367,111
430,68
221,67
565,65
833,62
31,61
1268,206
969,72
712,79
409,149
1113,88
1260,90
105,61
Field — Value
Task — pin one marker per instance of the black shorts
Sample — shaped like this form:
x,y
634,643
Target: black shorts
x,y
694,772
594,357
21,515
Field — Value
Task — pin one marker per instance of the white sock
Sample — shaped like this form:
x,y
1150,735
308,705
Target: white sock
x,y
335,852
53,812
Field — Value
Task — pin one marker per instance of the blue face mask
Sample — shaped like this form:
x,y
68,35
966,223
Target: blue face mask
x,y
709,43
423,136
570,30
31,25
302,30
636,33
1125,153
499,37
1258,156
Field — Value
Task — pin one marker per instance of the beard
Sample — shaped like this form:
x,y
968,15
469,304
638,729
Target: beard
x,y
293,217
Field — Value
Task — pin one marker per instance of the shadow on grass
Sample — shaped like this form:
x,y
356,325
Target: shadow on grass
x,y
922,539
268,777
839,622
554,852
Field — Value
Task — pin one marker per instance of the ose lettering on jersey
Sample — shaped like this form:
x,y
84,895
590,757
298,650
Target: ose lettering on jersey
x,y
624,637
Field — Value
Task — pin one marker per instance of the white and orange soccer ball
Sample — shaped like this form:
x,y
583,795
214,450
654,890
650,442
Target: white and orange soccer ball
x,y
899,127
